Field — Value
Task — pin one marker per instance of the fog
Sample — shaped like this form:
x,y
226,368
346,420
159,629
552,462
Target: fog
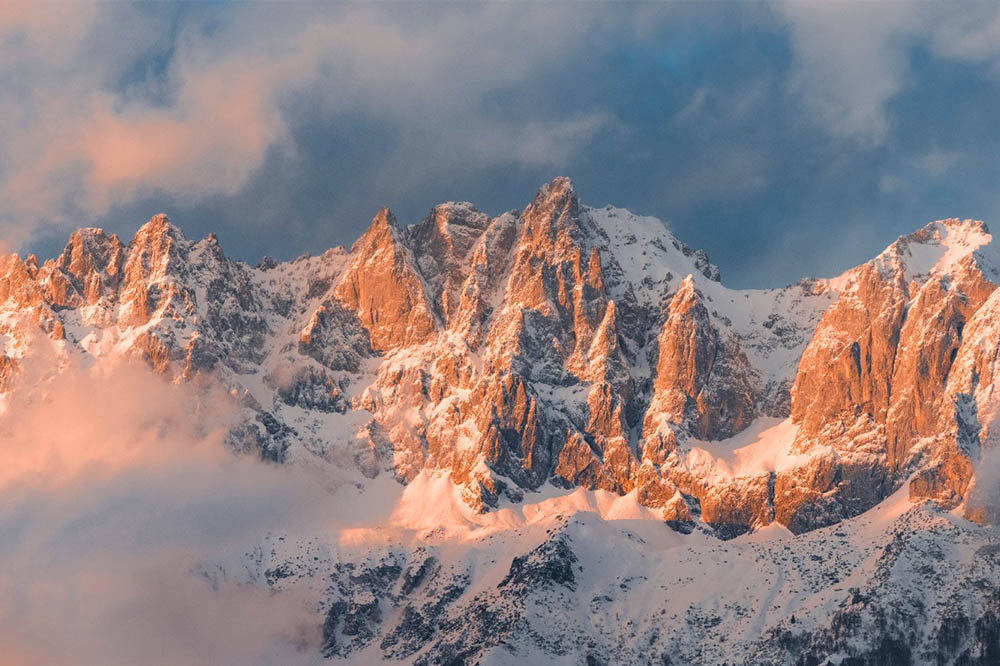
x,y
115,489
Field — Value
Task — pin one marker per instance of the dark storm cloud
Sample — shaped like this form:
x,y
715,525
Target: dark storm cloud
x,y
786,139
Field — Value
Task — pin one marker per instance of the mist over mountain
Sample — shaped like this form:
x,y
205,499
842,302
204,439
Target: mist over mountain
x,y
549,436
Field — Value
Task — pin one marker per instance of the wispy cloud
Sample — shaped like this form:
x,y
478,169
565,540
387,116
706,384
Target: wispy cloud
x,y
851,59
77,141
115,491
283,127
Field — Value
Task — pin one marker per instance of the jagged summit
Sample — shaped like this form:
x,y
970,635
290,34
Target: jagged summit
x,y
531,378
558,198
687,289
90,248
937,247
558,187
159,225
383,225
561,345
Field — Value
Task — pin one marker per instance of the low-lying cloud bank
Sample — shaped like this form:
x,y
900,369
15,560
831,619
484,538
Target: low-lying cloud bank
x,y
115,489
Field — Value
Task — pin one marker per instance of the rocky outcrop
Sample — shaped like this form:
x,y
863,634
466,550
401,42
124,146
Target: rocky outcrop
x,y
445,239
383,286
559,345
872,384
701,382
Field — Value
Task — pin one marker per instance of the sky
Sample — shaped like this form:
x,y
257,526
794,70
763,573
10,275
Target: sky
x,y
786,139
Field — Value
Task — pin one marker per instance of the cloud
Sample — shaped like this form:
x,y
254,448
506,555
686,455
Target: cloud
x,y
89,143
850,62
283,127
938,162
971,34
190,102
115,491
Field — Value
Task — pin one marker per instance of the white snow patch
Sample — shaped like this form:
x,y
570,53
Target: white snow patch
x,y
761,448
433,503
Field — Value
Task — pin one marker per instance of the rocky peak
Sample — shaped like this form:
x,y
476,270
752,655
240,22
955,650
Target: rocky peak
x,y
963,235
157,254
703,382
382,230
937,248
384,286
554,297
157,247
450,217
90,249
159,229
449,232
90,268
488,265
871,385
555,211
559,344
549,255
442,243
17,282
559,188
686,298
605,358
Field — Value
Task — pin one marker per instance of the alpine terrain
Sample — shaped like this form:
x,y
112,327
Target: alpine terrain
x,y
576,444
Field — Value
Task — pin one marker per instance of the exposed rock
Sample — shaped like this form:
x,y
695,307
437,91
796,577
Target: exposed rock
x,y
558,345
701,383
384,287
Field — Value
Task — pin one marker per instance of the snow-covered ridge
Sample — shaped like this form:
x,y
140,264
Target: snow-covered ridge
x,y
935,249
561,346
555,436
570,578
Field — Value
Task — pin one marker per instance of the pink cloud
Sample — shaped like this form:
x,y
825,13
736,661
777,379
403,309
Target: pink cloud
x,y
115,491
76,143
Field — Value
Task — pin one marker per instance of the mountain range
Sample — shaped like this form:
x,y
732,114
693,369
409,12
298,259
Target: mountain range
x,y
596,451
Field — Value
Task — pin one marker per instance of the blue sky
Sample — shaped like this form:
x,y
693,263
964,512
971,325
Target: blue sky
x,y
785,139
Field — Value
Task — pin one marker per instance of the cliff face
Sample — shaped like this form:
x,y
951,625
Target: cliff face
x,y
872,386
561,344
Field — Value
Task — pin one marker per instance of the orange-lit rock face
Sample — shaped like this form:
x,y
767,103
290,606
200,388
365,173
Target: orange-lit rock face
x,y
383,286
700,380
563,344
874,382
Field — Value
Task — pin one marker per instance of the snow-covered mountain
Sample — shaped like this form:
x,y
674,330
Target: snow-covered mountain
x,y
594,451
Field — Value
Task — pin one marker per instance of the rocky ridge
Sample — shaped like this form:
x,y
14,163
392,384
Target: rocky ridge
x,y
900,584
559,345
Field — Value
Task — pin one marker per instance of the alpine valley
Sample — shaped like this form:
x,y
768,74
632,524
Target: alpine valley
x,y
570,442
